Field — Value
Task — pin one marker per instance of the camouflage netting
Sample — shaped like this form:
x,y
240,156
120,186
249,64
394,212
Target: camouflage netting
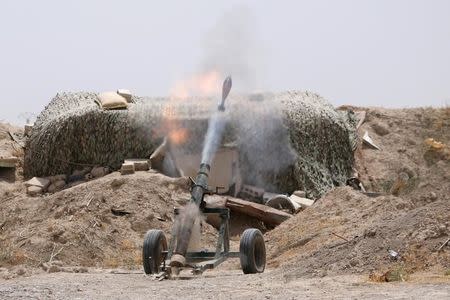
x,y
294,140
286,141
72,131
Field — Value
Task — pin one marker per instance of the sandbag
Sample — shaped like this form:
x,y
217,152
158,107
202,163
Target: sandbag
x,y
111,100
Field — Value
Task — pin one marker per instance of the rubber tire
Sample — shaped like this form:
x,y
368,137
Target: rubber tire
x,y
252,251
154,244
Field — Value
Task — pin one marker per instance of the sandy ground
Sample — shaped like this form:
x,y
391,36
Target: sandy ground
x,y
217,284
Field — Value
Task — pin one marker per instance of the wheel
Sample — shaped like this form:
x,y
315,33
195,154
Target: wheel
x,y
152,251
252,251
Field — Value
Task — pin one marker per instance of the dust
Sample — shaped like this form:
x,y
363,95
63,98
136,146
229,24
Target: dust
x,y
213,138
232,47
263,139
189,216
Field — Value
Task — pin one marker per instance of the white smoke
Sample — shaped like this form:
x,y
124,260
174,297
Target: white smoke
x,y
190,215
232,48
264,143
213,137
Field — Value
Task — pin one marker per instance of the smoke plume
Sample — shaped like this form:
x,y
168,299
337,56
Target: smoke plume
x,y
213,137
264,143
232,47
190,218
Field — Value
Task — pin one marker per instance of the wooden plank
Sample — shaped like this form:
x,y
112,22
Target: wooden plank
x,y
262,212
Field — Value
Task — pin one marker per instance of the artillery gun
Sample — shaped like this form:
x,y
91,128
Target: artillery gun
x,y
163,259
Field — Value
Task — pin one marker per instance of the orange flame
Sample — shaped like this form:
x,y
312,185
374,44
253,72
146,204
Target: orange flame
x,y
205,84
178,136
198,85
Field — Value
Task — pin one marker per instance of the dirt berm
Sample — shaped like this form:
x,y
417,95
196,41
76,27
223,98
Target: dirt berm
x,y
101,223
348,232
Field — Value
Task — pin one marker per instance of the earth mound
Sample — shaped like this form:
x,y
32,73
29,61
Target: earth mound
x,y
348,232
100,223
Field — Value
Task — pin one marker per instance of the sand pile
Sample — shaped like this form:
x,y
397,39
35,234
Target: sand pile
x,y
306,244
402,135
99,223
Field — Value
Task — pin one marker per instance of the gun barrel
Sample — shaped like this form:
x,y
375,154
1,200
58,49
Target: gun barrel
x,y
201,184
188,217
198,191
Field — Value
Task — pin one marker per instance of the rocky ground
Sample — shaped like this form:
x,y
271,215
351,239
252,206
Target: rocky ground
x,y
217,284
337,248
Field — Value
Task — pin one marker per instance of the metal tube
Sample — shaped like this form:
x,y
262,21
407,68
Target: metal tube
x,y
188,218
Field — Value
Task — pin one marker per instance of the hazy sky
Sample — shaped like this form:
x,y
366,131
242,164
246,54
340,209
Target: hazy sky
x,y
380,52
